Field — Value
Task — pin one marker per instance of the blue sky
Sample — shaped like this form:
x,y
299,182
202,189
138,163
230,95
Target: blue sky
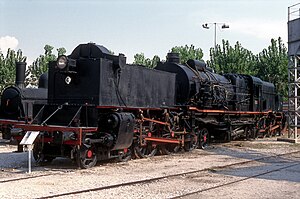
x,y
134,26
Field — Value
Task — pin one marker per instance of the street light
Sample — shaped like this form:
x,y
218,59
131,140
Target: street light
x,y
207,26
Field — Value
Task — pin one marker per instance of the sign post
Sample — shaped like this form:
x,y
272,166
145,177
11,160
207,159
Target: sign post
x,y
28,140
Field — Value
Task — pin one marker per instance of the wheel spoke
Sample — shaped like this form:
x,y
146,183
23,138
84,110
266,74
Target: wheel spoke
x,y
204,138
39,150
147,151
86,157
125,155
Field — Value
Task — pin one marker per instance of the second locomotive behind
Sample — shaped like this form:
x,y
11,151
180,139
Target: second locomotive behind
x,y
17,100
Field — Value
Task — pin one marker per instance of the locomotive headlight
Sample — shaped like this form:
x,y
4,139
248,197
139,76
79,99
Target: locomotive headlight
x,y
62,62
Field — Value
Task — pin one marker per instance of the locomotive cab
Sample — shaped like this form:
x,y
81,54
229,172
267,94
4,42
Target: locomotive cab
x,y
268,96
263,94
255,86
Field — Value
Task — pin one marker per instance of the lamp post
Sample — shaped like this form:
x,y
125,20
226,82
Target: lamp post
x,y
207,26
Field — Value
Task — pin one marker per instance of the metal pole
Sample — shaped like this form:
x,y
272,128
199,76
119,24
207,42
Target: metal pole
x,y
296,94
29,158
289,13
290,114
215,29
215,36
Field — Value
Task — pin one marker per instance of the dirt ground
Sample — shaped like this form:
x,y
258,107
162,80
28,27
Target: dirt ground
x,y
277,177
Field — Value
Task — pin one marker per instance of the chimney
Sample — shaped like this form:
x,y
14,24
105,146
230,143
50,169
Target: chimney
x,y
173,57
20,74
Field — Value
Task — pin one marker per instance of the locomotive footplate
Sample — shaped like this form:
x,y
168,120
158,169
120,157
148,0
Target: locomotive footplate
x,y
11,122
33,127
64,129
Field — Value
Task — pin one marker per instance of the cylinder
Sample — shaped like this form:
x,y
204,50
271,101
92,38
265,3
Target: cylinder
x,y
20,74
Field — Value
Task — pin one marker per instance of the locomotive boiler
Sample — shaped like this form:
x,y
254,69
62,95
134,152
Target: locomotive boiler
x,y
197,85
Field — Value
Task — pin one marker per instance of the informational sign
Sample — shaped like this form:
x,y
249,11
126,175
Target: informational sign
x,y
28,140
29,137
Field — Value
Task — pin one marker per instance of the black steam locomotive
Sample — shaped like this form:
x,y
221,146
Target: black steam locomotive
x,y
17,101
99,107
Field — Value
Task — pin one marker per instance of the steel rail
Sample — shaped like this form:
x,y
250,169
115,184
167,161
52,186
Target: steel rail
x,y
145,181
234,182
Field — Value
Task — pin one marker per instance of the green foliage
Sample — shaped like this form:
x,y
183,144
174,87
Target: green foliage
x,y
154,61
269,65
185,53
7,67
40,65
228,59
61,51
272,65
188,52
140,59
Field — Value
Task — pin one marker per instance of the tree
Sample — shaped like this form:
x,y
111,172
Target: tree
x,y
154,61
228,59
7,67
140,59
40,65
188,52
272,65
185,53
269,65
61,51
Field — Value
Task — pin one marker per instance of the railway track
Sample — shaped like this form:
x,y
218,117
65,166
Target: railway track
x,y
153,180
24,178
234,182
